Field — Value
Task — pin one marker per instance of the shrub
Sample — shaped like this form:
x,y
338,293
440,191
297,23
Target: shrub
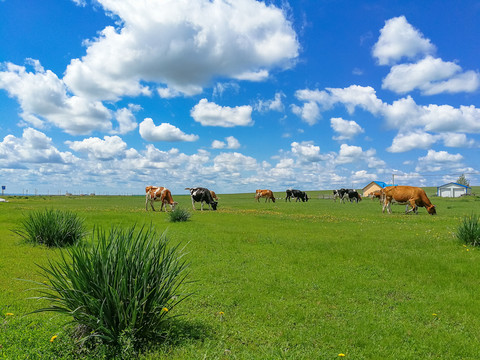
x,y
179,214
469,230
119,290
51,228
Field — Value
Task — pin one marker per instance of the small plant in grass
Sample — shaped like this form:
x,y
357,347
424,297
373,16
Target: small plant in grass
x,y
119,290
469,230
51,228
179,214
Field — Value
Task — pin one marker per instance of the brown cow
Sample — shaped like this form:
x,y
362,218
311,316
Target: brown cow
x,y
159,193
267,194
411,195
214,196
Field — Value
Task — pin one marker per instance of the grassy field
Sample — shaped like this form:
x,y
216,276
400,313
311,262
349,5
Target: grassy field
x,y
278,280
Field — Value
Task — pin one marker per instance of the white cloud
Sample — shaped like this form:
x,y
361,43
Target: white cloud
x,y
275,104
349,154
44,99
351,97
457,140
182,45
412,140
211,114
439,160
346,129
431,76
163,132
126,120
217,144
34,147
306,151
109,148
231,143
234,163
399,39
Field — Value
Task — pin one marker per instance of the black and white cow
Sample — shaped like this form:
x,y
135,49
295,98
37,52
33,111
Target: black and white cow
x,y
202,195
354,196
297,194
340,194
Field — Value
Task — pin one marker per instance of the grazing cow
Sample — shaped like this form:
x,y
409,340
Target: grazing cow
x,y
377,194
159,193
413,196
354,196
200,194
297,194
341,194
267,194
214,196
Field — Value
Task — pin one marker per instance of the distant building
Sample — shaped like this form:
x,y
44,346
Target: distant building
x,y
453,190
374,186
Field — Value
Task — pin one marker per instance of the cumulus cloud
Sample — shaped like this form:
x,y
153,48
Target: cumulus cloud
x,y
234,163
231,143
349,154
398,39
346,129
210,114
275,104
164,132
439,160
431,76
182,45
34,147
43,97
107,149
316,101
412,140
306,151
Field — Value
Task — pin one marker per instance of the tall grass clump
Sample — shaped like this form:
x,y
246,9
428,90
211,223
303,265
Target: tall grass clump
x,y
51,228
179,214
469,230
121,289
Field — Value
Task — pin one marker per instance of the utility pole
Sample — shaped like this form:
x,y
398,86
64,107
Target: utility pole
x,y
393,179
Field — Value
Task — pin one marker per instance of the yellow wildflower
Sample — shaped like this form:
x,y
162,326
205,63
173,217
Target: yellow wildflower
x,y
221,313
165,309
341,355
53,338
434,314
9,314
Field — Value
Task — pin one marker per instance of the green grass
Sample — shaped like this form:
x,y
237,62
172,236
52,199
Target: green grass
x,y
279,280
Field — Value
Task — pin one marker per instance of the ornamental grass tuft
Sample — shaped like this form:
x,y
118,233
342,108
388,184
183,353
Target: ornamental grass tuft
x,y
179,214
53,228
469,230
118,286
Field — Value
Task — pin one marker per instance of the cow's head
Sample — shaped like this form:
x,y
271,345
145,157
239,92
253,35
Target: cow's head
x,y
431,210
214,205
173,205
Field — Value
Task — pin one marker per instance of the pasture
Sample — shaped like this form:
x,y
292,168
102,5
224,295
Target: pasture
x,y
277,280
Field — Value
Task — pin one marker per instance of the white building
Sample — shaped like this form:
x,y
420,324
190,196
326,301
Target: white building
x,y
453,190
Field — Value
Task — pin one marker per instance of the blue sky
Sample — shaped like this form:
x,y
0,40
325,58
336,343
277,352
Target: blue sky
x,y
109,96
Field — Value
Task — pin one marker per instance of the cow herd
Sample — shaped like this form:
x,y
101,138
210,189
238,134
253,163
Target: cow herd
x,y
412,196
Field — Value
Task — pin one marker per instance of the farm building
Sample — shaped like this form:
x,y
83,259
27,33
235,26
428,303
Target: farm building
x,y
453,190
374,186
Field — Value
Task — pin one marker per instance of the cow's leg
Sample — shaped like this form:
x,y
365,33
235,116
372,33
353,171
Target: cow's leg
x,y
193,204
386,205
413,205
201,205
151,204
164,203
146,204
